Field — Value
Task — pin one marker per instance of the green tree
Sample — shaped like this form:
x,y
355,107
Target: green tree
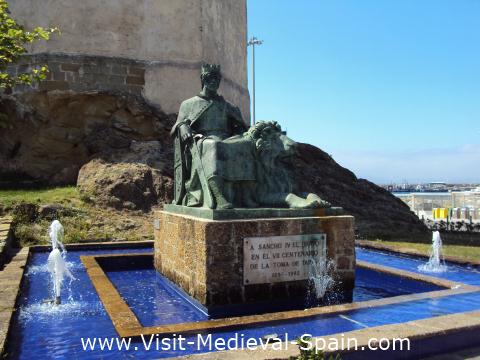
x,y
13,39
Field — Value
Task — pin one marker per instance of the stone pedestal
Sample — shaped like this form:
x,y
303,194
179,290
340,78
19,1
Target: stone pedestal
x,y
206,257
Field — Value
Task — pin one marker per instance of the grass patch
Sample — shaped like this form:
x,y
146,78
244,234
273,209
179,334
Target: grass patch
x,y
61,195
82,220
469,253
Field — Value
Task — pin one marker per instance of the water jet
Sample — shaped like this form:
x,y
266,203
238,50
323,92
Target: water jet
x,y
56,264
436,262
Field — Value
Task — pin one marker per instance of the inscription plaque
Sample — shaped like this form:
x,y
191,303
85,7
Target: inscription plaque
x,y
282,258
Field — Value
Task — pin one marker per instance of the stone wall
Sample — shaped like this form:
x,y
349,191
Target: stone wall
x,y
205,257
169,38
6,237
84,73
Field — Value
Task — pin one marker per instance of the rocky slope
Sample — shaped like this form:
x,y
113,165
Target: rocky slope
x,y
378,213
120,149
46,136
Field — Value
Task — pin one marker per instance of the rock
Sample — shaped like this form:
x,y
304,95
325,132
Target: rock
x,y
136,178
152,153
126,225
120,121
378,213
51,134
67,175
121,185
25,212
51,211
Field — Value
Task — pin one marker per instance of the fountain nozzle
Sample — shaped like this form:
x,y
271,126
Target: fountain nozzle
x,y
56,301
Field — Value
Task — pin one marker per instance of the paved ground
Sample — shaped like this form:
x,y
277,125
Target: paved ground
x,y
10,278
5,237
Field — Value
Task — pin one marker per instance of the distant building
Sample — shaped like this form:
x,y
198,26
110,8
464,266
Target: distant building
x,y
436,186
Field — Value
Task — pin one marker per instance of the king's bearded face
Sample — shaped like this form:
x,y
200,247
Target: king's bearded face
x,y
211,82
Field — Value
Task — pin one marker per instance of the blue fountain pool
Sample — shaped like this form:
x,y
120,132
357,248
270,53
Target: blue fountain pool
x,y
44,331
465,274
163,303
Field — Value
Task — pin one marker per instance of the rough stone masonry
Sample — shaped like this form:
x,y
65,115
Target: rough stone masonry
x,y
206,257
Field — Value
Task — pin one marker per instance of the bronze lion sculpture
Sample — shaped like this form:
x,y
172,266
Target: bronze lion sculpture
x,y
274,151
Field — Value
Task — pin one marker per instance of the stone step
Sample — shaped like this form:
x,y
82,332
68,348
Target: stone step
x,y
6,237
10,278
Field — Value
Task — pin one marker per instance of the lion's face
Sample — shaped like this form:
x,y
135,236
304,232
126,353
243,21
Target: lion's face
x,y
281,147
275,151
272,144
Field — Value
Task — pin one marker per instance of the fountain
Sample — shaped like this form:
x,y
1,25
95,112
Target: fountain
x,y
56,263
320,277
436,263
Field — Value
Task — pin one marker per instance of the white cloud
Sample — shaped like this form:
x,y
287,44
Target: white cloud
x,y
453,165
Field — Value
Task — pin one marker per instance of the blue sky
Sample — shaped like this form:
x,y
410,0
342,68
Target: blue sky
x,y
390,88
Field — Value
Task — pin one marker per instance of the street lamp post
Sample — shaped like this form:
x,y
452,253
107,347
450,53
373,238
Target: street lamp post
x,y
252,42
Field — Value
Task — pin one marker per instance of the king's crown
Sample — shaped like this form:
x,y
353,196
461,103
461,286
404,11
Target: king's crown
x,y
210,69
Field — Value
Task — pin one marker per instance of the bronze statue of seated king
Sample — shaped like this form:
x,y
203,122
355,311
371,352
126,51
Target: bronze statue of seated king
x,y
220,163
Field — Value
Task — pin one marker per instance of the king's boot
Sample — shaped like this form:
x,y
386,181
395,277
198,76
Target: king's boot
x,y
217,187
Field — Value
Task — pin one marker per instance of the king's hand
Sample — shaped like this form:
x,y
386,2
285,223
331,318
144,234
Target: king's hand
x,y
185,133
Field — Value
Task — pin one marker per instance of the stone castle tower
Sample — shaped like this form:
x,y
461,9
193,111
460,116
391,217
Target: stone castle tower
x,y
118,73
142,46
